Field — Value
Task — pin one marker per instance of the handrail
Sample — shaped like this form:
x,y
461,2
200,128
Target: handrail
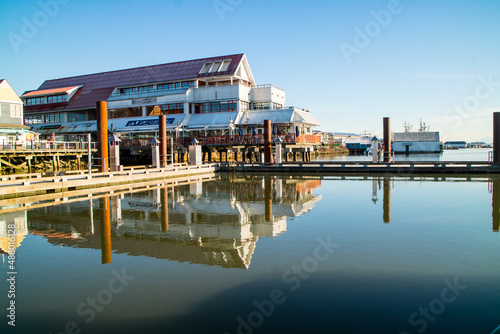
x,y
47,145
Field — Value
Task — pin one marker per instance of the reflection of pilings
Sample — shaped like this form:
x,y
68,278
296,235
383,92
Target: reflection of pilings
x,y
105,231
268,199
387,200
374,190
496,204
164,209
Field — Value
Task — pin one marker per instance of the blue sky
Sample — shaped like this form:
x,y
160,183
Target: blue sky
x,y
350,63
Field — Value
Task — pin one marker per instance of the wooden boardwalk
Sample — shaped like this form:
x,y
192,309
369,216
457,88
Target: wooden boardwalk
x,y
29,184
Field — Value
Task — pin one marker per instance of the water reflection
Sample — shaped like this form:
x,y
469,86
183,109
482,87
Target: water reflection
x,y
495,184
212,223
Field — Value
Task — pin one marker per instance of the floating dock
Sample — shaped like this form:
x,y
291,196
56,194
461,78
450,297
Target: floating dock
x,y
366,167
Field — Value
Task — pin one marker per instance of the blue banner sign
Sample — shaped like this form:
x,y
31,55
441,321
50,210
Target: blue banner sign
x,y
143,122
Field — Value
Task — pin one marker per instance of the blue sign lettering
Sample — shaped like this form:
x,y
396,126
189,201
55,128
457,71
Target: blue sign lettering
x,y
143,122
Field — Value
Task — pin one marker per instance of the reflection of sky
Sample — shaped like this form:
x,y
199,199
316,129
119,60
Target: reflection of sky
x,y
438,230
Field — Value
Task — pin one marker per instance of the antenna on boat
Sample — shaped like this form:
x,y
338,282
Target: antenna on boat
x,y
407,126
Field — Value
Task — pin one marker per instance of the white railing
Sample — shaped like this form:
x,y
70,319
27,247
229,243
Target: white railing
x,y
61,146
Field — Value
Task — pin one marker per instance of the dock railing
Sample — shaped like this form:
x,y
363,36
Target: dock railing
x,y
47,145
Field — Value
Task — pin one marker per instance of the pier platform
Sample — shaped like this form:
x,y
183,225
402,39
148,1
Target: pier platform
x,y
366,167
29,184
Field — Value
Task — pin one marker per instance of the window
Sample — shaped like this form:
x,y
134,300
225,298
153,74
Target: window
x,y
244,105
260,106
56,98
215,67
35,100
205,67
33,119
125,112
225,65
76,117
53,118
173,108
16,110
222,106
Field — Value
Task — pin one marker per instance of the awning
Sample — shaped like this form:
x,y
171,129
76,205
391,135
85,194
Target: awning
x,y
54,91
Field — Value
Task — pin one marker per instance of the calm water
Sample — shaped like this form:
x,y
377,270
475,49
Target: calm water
x,y
263,255
465,154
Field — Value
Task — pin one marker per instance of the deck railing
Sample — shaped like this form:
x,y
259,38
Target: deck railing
x,y
46,145
227,140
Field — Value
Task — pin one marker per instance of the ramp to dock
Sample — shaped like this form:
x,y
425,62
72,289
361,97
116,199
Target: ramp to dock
x,y
29,184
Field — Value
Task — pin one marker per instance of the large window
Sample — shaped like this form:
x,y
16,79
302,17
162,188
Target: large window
x,y
260,105
33,119
221,106
76,117
125,112
56,98
53,118
173,108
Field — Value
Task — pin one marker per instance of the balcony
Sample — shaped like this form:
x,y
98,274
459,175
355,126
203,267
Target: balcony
x,y
233,140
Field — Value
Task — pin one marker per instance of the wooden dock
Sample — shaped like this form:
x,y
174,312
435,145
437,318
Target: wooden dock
x,y
29,184
367,167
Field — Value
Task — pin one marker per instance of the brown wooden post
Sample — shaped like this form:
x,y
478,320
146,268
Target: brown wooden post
x,y
496,137
387,139
162,119
267,141
102,135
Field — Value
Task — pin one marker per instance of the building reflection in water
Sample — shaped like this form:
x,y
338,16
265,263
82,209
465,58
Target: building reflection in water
x,y
12,237
213,223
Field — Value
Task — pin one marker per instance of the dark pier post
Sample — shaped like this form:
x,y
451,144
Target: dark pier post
x,y
387,200
164,209
496,138
105,231
163,140
102,135
387,139
267,141
268,199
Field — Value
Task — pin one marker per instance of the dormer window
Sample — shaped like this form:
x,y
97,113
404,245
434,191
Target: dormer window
x,y
215,66
205,67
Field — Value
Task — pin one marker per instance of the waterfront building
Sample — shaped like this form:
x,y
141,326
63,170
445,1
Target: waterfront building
x,y
209,97
455,144
416,142
12,130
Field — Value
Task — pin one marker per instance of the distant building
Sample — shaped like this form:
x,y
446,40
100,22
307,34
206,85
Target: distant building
x,y
416,142
12,130
214,96
455,144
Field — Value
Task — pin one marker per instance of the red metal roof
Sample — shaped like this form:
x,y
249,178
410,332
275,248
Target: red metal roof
x,y
99,86
49,91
